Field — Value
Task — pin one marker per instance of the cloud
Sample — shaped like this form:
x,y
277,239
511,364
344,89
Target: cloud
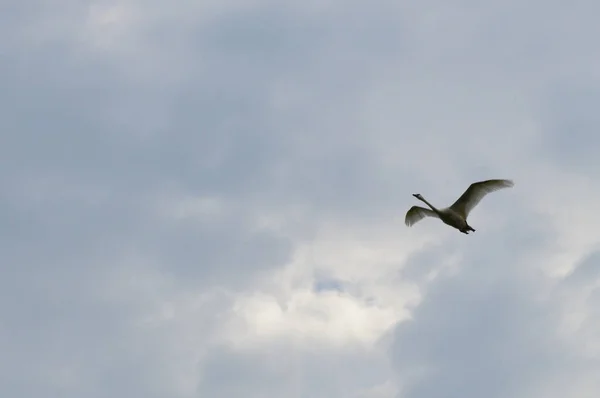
x,y
208,199
478,332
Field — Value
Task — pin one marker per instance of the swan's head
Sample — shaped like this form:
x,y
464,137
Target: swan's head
x,y
418,196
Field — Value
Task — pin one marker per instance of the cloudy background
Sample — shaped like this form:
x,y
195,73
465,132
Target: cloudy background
x,y
207,199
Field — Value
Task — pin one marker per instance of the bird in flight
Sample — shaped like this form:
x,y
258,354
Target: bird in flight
x,y
456,215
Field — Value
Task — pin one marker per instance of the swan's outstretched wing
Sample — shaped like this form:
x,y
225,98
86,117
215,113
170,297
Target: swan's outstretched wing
x,y
416,214
475,193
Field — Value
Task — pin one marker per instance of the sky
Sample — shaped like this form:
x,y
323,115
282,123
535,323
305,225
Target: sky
x,y
207,199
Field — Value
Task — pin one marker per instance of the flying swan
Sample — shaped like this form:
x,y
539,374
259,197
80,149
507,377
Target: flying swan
x,y
456,215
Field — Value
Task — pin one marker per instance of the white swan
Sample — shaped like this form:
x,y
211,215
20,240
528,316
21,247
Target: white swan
x,y
456,215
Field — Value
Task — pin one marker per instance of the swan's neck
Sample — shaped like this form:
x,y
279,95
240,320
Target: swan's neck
x,y
430,205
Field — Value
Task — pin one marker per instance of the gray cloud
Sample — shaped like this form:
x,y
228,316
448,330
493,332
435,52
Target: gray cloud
x,y
317,373
313,115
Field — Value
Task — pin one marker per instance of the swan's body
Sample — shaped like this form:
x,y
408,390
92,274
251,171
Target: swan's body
x,y
456,215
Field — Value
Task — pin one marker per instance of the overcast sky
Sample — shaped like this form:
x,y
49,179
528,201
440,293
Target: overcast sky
x,y
207,199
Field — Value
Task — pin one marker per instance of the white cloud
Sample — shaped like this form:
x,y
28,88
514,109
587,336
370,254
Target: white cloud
x,y
328,318
362,296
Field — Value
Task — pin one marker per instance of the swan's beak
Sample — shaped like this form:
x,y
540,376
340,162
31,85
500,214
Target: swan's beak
x,y
416,195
